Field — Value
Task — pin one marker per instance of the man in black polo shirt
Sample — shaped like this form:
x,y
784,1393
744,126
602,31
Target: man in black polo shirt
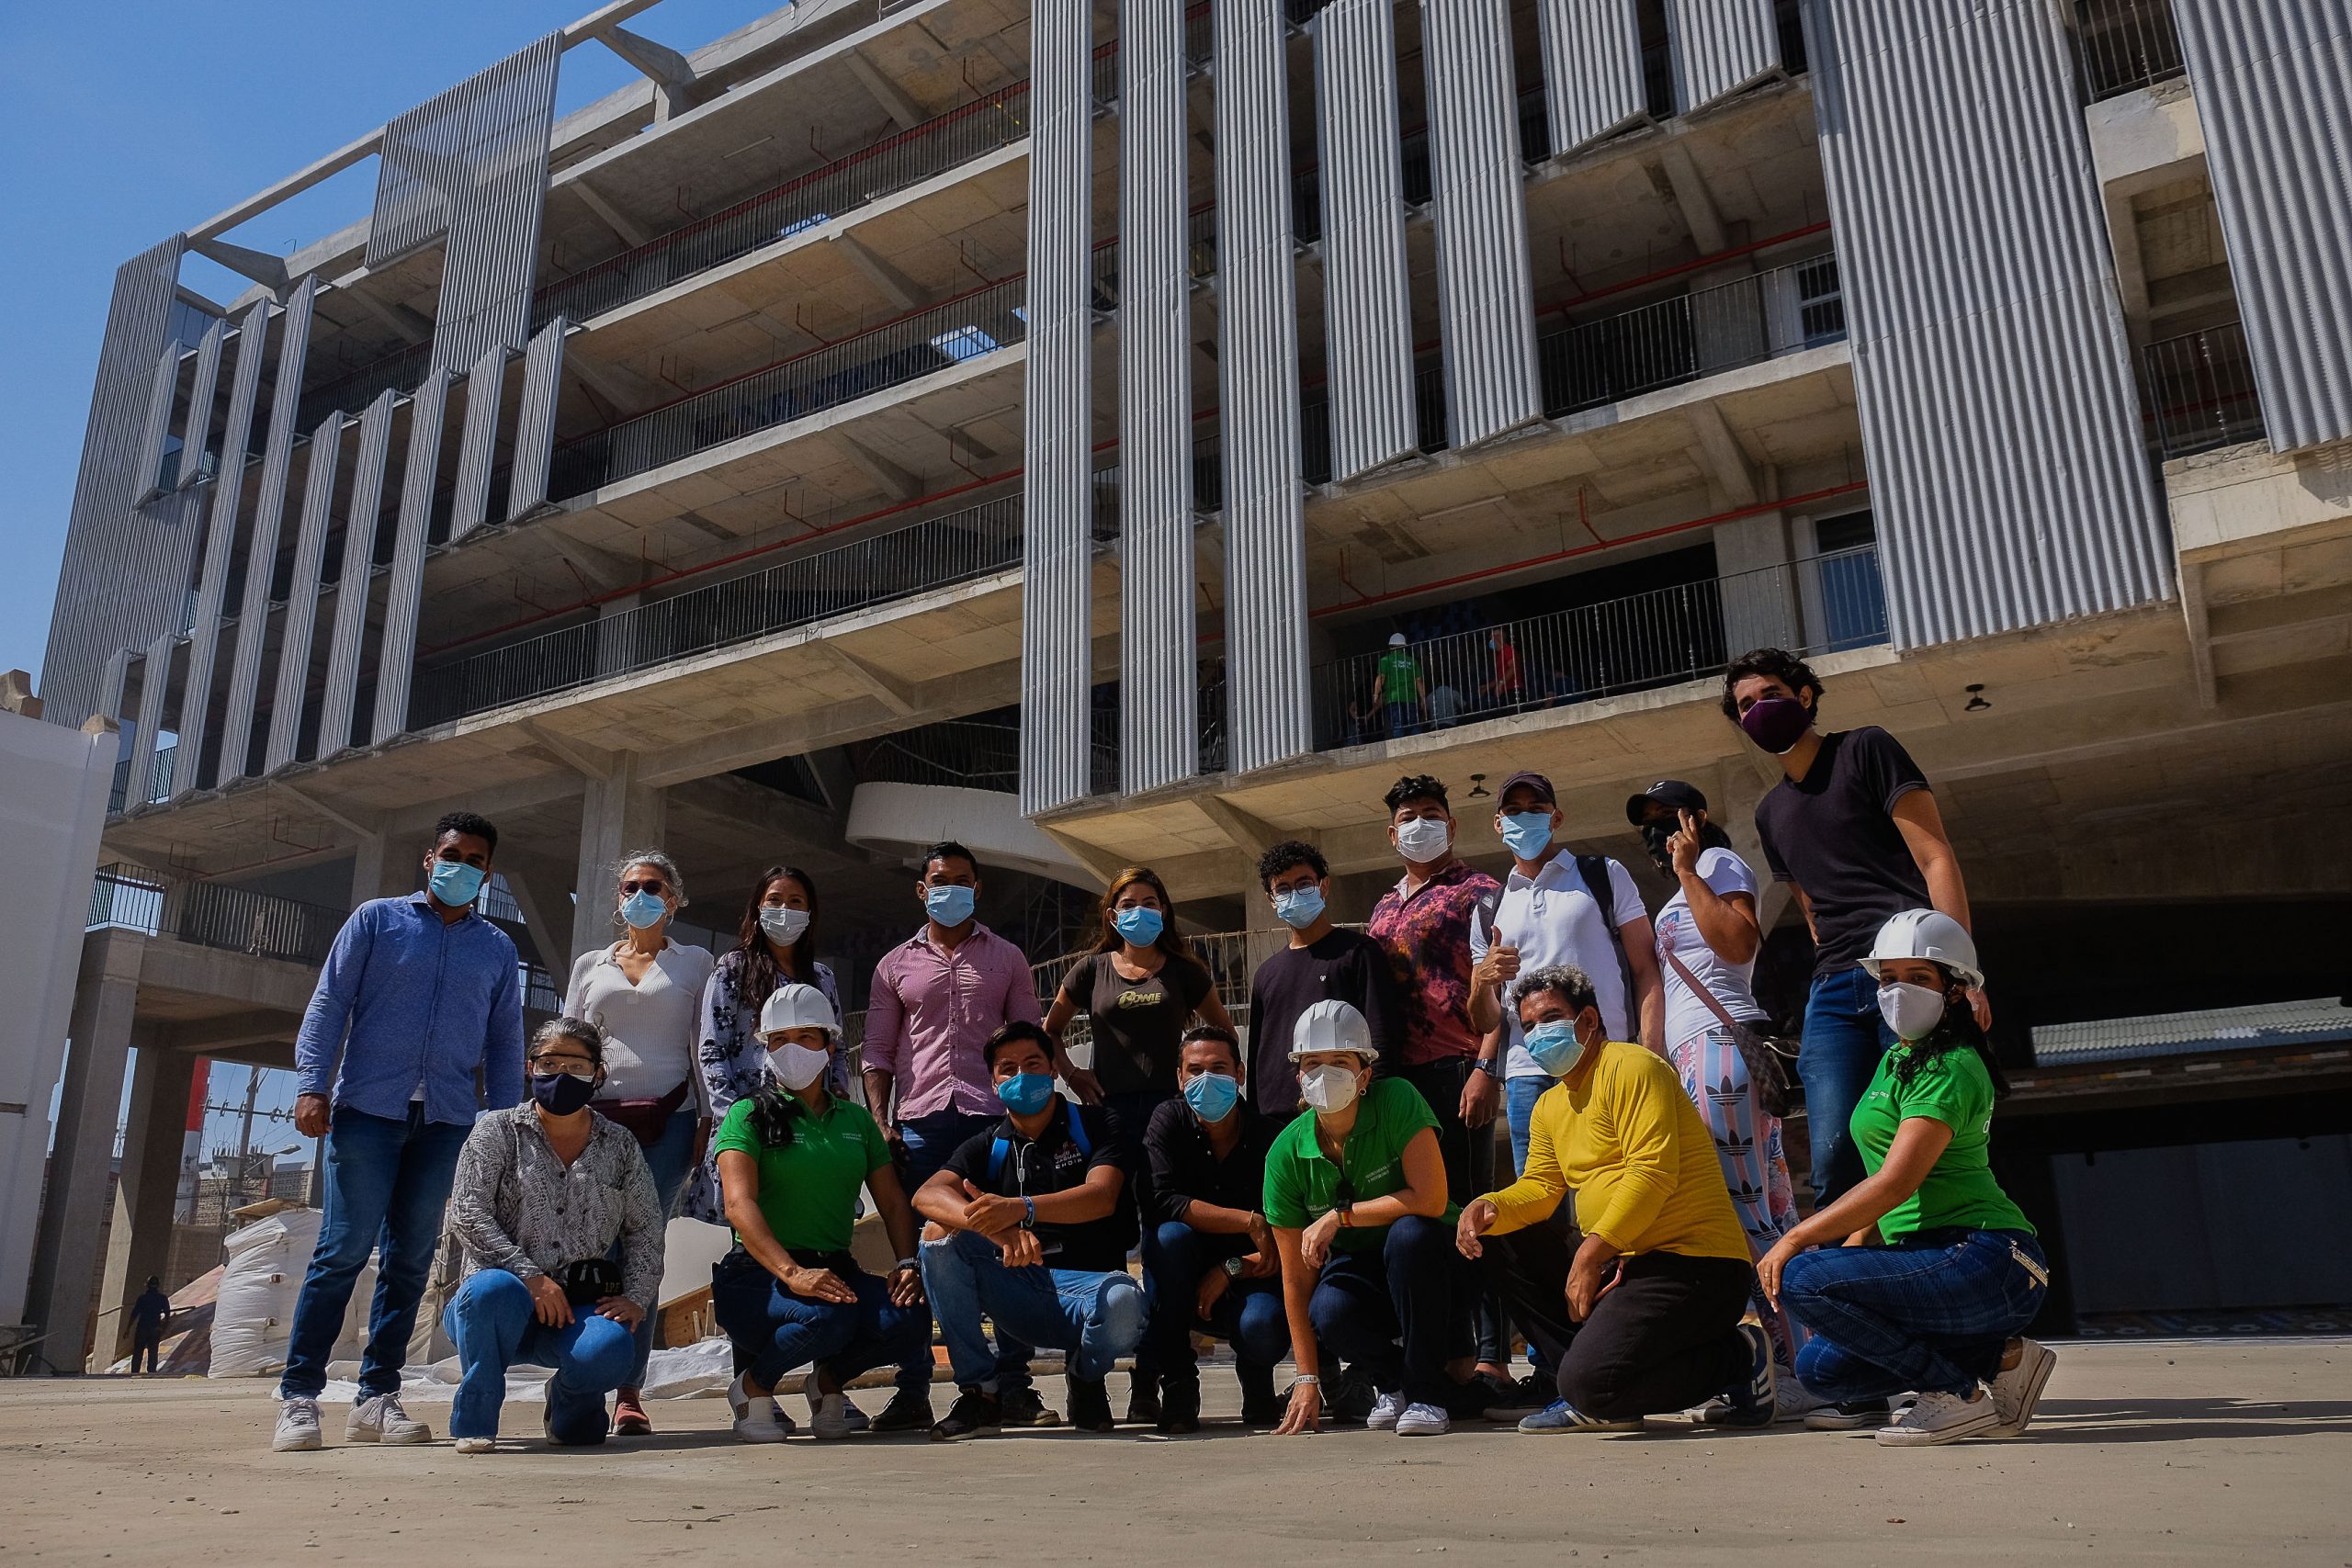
x,y
1039,1221
1854,828
1323,963
1209,1252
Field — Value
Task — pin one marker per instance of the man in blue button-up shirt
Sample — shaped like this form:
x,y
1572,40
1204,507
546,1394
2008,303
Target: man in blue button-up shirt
x,y
420,1003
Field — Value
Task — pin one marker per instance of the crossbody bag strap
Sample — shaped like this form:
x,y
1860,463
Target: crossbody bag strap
x,y
1699,988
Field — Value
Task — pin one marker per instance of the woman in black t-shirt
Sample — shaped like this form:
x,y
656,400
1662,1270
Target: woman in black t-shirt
x,y
1138,988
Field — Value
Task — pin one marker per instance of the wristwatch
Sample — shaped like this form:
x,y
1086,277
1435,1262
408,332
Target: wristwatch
x,y
1233,1268
1029,1219
913,1263
1490,1066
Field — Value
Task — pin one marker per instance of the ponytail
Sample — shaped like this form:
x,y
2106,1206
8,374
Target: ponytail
x,y
1956,1031
771,1113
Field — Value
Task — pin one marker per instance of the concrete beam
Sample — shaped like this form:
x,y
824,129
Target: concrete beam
x,y
1691,195
408,324
267,270
632,234
1248,832
359,827
2197,613
1104,866
894,102
895,695
795,824
900,289
673,77
616,383
895,482
592,763
1721,454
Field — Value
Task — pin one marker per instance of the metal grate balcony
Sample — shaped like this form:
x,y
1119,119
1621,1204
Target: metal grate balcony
x,y
2200,392
234,919
2123,45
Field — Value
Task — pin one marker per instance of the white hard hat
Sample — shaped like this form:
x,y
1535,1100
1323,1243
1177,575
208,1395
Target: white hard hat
x,y
1331,1025
794,1006
1929,934
1396,639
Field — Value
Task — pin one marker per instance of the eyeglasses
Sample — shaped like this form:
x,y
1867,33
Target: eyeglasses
x,y
571,1066
653,885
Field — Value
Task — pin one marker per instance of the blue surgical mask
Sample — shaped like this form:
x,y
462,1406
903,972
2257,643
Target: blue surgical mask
x,y
1300,909
454,882
1025,1094
1141,925
642,910
1528,834
1213,1096
949,905
1555,1047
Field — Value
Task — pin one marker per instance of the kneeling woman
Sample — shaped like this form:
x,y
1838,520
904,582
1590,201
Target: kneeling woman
x,y
1938,1307
791,1158
1355,1192
542,1192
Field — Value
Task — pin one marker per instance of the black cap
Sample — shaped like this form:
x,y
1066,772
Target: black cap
x,y
1672,793
1536,782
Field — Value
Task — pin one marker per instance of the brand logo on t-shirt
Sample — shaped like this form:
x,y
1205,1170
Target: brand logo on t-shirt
x,y
1151,998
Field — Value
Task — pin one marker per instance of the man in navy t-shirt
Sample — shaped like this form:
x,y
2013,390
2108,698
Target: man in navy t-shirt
x,y
1854,830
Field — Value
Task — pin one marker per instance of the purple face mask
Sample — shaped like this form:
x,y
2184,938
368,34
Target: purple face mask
x,y
1776,723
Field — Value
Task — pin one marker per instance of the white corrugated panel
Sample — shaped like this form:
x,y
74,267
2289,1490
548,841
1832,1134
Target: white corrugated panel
x,y
1486,297
2000,422
341,698
1592,69
1367,308
1721,46
269,513
527,476
2254,1028
478,447
396,654
302,595
1266,538
1159,732
196,429
2273,80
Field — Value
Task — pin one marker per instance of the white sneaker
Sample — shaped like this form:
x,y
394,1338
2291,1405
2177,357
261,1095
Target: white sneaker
x,y
1791,1400
475,1445
378,1418
828,1421
297,1425
1941,1417
756,1420
2019,1390
1385,1412
1420,1420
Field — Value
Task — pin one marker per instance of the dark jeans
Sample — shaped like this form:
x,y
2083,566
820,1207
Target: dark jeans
x,y
386,1180
1666,1338
1932,1312
1248,1314
147,1344
1400,1312
925,1142
779,1330
1469,1154
1129,1114
1844,1038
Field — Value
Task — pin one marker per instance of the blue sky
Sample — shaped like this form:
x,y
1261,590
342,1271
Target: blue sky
x,y
129,120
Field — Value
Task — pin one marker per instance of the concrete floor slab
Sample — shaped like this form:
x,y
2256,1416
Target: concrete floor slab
x,y
2143,1452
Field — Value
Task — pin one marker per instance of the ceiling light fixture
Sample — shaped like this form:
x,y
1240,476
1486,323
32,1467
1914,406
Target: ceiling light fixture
x,y
1976,702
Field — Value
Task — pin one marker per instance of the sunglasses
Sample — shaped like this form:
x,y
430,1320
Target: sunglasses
x,y
653,885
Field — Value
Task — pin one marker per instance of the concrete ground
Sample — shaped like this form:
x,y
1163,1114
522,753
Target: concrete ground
x,y
2194,1453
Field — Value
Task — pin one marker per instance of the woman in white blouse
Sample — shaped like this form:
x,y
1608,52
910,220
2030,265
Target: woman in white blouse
x,y
645,992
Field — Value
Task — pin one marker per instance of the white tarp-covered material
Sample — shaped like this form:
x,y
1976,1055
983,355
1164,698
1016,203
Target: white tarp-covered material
x,y
253,1319
700,1371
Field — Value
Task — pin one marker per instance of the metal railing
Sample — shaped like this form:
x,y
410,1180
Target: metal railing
x,y
1740,323
2200,392
234,919
956,753
1654,639
912,345
846,184
2122,45
814,586
159,781
541,991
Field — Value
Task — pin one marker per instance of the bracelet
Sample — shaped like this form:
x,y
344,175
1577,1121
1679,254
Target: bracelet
x,y
915,1264
1309,1379
1030,1220
1346,1214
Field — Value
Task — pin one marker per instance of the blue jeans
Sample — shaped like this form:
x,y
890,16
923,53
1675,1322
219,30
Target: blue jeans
x,y
492,1321
1844,1038
1930,1313
1248,1314
672,1160
778,1331
1097,1318
386,1180
926,1143
1402,1311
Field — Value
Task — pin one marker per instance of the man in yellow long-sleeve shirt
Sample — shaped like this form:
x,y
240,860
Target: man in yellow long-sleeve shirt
x,y
1653,1295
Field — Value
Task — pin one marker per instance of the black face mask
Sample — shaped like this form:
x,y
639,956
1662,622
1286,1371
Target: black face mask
x,y
1654,835
560,1094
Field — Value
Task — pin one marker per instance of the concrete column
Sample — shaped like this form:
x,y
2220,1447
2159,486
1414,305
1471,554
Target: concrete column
x,y
66,1251
540,889
385,866
1759,603
140,1244
617,815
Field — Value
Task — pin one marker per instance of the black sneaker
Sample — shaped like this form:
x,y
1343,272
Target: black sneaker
x,y
1504,1399
1023,1408
1348,1399
975,1411
1261,1406
1143,1401
907,1412
1180,1409
1749,1403
1850,1415
1089,1405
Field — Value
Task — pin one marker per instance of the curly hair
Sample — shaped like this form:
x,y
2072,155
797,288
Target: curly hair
x,y
1773,664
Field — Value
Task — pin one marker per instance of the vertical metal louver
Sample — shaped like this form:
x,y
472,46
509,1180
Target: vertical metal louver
x,y
1486,296
302,595
155,682
197,428
1368,309
1056,634
1159,680
269,513
1999,419
2273,80
118,584
478,447
1265,528
1592,69
227,495
527,486
1719,47
340,701
396,653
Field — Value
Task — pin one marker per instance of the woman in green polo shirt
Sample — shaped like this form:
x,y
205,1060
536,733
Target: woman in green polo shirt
x,y
1938,1303
791,1158
1355,1192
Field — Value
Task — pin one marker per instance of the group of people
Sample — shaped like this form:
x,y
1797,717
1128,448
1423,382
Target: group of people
x,y
1323,1187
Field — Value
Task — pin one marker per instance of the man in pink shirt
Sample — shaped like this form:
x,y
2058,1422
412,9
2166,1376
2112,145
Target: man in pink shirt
x,y
936,999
